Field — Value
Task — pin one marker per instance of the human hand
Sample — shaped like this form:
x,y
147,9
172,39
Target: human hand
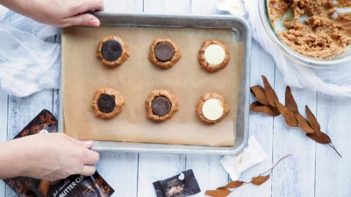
x,y
56,156
61,13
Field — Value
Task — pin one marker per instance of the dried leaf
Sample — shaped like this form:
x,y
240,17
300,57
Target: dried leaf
x,y
312,119
290,102
218,192
289,116
269,110
258,92
303,124
233,184
320,137
269,92
259,180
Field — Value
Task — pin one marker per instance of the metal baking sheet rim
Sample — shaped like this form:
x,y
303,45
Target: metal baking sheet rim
x,y
156,20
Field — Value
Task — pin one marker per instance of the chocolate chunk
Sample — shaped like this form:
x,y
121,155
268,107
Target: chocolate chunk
x,y
111,50
164,51
161,106
106,103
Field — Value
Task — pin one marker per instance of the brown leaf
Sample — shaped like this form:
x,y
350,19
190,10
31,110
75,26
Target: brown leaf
x,y
290,102
312,119
259,180
233,184
288,115
269,92
269,110
303,124
320,137
218,192
258,92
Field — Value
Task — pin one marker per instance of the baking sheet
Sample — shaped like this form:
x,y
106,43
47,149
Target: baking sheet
x,y
83,74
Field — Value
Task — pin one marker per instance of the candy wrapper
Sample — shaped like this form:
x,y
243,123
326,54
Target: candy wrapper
x,y
76,185
250,156
181,185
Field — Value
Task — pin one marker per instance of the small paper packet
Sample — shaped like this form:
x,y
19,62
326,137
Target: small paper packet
x,y
181,185
249,157
76,185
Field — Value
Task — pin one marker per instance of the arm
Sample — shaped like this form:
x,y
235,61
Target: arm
x,y
47,156
62,13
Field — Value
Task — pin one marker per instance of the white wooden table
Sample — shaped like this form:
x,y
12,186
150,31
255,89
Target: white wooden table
x,y
313,169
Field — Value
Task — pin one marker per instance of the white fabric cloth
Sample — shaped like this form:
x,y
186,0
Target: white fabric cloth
x,y
29,60
332,81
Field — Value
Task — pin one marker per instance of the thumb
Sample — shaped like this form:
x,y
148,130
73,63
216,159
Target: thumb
x,y
82,20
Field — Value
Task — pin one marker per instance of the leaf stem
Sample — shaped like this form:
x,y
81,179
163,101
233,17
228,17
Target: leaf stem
x,y
271,169
333,147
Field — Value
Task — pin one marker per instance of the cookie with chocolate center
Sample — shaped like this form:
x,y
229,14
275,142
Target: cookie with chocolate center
x,y
161,105
211,108
164,53
107,103
112,51
213,56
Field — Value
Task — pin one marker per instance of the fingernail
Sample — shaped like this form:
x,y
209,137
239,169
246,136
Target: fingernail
x,y
89,144
94,22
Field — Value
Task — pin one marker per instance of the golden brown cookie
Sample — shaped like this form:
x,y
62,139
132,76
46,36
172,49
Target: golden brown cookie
x,y
107,103
213,56
161,105
112,51
164,53
212,108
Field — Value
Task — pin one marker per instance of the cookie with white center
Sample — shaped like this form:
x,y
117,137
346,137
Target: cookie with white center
x,y
212,108
107,103
161,105
213,56
112,51
164,53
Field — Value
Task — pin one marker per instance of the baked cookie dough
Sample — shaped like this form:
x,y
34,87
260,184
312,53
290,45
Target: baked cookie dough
x,y
211,108
213,56
161,105
107,103
313,27
164,53
112,51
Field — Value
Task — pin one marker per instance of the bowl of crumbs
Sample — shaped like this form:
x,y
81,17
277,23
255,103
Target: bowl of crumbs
x,y
313,33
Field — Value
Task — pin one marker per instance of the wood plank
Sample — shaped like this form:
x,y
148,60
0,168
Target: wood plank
x,y
153,167
120,170
207,169
260,125
23,110
3,128
123,6
295,176
332,172
204,7
166,7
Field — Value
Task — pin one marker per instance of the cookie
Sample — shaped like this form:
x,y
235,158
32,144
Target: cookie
x,y
161,105
212,108
213,56
164,53
112,51
107,103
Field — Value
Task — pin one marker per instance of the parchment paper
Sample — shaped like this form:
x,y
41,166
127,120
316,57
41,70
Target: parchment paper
x,y
83,74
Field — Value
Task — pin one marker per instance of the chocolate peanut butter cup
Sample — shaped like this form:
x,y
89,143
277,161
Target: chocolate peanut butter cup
x,y
112,51
213,56
212,108
164,53
107,103
161,105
